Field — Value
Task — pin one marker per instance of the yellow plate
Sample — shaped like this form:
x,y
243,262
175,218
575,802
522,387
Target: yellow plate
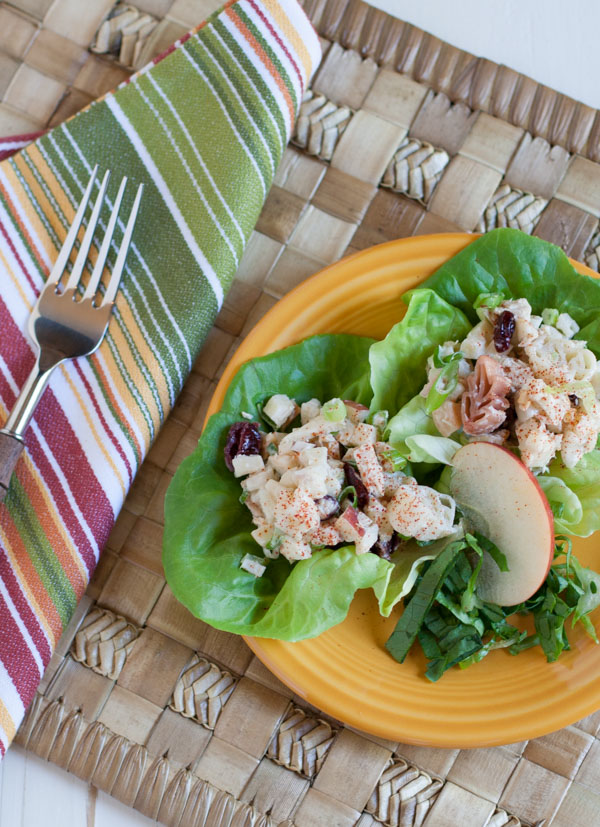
x,y
346,671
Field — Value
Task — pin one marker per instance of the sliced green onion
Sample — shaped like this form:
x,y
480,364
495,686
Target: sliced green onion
x,y
487,301
334,410
443,386
272,448
349,490
550,315
397,458
274,542
379,419
440,361
244,496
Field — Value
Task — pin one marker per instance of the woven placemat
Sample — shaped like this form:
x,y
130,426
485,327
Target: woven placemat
x,y
400,134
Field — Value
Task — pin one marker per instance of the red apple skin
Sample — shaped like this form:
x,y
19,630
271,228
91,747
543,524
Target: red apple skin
x,y
495,455
356,405
350,515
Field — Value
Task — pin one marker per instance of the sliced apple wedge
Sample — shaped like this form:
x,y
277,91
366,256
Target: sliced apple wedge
x,y
501,499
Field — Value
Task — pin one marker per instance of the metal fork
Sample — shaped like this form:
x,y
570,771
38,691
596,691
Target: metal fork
x,y
63,325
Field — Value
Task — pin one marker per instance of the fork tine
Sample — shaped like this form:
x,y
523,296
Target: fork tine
x,y
65,250
113,284
106,242
89,235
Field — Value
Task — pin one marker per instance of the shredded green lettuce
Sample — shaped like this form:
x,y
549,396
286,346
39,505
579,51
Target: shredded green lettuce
x,y
454,627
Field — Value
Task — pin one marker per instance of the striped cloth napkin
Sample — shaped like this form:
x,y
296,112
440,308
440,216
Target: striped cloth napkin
x,y
204,128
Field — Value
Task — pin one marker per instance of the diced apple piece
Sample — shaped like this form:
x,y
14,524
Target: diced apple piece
x,y
308,410
282,462
348,526
247,464
312,480
502,500
369,538
313,456
357,413
253,565
273,488
280,409
567,325
316,428
257,480
301,445
288,478
355,527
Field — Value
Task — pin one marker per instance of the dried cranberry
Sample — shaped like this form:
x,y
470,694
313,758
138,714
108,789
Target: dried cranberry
x,y
243,438
574,400
250,442
327,506
353,479
510,417
385,548
503,331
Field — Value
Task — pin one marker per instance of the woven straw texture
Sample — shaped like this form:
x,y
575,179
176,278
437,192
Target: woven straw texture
x,y
400,134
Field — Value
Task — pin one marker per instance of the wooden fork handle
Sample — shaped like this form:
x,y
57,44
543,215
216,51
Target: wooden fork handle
x,y
10,451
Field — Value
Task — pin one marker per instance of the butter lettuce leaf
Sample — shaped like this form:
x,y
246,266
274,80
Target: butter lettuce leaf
x,y
398,362
431,449
411,419
574,495
412,432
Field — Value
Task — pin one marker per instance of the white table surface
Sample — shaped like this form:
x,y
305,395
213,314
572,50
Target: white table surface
x,y
535,37
552,41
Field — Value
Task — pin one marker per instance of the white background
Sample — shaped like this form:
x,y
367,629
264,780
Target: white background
x,y
552,41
